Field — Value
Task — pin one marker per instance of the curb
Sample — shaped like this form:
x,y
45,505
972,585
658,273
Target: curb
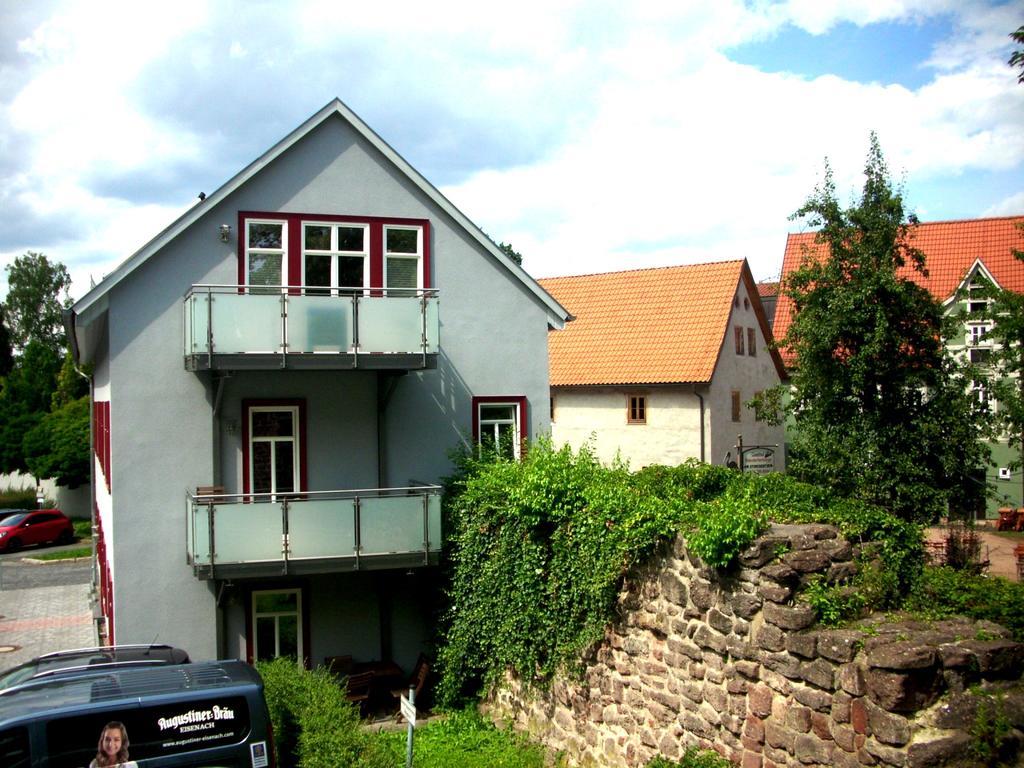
x,y
37,561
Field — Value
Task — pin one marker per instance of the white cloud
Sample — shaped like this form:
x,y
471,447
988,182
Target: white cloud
x,y
591,135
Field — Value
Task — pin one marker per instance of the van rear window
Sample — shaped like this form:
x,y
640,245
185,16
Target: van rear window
x,y
152,731
14,748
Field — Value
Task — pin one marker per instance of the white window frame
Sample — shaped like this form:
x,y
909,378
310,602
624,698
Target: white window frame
x,y
334,252
976,333
516,422
283,250
277,624
294,439
418,256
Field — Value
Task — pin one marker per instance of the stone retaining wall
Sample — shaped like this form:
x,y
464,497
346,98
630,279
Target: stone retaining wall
x,y
728,662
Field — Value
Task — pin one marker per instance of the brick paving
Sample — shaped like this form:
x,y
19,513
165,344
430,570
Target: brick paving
x,y
43,619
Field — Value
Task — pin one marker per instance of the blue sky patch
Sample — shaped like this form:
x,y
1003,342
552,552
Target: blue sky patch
x,y
887,53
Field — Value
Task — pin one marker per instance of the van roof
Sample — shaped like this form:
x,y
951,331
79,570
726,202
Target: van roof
x,y
76,690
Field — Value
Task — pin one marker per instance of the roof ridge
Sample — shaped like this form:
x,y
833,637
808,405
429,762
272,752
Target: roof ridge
x,y
984,220
643,269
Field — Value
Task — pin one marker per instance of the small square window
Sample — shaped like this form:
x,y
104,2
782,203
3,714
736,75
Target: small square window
x,y
751,342
637,413
736,405
738,337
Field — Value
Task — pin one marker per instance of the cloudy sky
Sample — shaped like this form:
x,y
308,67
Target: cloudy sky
x,y
591,135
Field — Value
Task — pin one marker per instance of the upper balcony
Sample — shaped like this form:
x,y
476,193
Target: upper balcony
x,y
263,534
242,328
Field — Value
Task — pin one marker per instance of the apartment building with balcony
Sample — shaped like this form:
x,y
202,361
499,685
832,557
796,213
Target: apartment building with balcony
x,y
278,379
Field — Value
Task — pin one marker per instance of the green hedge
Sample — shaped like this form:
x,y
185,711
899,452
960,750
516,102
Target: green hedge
x,y
12,499
539,548
314,726
943,591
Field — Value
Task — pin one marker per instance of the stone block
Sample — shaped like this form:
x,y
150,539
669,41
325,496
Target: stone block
x,y
819,672
802,644
841,707
813,698
886,754
770,638
720,621
782,663
906,691
859,716
799,719
839,645
751,760
636,645
851,679
997,659
740,649
738,705
744,605
701,595
737,685
673,588
706,637
821,726
780,573
887,727
946,750
753,728
843,736
792,618
810,749
901,655
807,560
685,647
715,696
748,669
838,572
779,737
776,593
762,551
759,700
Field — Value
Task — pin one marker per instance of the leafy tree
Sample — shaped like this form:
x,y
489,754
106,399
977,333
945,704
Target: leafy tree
x,y
58,446
1017,58
882,412
36,297
511,252
6,353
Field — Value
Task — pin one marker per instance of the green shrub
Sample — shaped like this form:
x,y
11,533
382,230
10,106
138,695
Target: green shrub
x,y
15,499
539,549
693,758
943,591
314,726
463,739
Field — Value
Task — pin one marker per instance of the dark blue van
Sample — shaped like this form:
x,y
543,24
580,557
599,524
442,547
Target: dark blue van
x,y
201,714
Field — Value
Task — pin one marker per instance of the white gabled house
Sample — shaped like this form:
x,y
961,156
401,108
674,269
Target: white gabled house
x,y
277,380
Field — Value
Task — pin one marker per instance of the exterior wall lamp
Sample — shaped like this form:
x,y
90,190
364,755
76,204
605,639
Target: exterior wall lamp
x,y
225,232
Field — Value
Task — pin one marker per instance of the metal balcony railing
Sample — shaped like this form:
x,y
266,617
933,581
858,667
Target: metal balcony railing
x,y
263,534
313,326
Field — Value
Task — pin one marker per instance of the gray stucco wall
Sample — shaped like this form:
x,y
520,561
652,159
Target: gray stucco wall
x,y
493,342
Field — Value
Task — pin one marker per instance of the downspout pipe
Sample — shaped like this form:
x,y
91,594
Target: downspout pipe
x,y
69,327
700,398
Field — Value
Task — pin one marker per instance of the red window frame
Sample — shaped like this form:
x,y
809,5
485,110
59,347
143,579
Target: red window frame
x,y
517,400
300,404
294,245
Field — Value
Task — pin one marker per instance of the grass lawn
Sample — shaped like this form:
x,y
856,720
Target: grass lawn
x,y
1017,536
67,554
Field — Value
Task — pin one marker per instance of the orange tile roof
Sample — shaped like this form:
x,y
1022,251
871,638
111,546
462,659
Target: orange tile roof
x,y
644,326
950,249
768,289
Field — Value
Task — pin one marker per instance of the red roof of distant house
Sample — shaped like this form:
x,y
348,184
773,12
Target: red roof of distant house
x,y
645,326
768,289
951,249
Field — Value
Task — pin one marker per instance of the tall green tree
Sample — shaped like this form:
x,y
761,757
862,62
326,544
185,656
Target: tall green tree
x,y
1017,57
38,292
882,412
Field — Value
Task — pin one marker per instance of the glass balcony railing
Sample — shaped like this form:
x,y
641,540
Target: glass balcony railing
x,y
290,326
233,534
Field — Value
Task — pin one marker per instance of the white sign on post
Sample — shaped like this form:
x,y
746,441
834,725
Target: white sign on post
x,y
408,711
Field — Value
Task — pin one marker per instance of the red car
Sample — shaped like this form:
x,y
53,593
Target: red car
x,y
21,527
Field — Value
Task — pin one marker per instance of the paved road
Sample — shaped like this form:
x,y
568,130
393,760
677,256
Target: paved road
x,y
43,608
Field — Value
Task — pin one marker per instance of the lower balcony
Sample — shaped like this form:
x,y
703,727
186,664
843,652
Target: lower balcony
x,y
256,535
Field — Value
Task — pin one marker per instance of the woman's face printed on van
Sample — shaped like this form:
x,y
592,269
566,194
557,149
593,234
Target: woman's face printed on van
x,y
111,742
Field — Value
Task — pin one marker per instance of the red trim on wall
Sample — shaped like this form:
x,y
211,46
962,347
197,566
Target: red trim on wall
x,y
106,584
376,251
520,400
101,437
300,403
